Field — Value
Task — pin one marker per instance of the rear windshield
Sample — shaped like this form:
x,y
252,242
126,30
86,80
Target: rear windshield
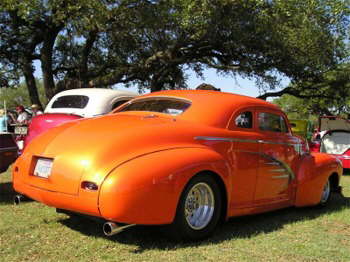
x,y
72,101
160,105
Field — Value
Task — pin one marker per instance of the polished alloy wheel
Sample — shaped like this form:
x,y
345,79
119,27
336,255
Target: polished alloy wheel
x,y
326,193
199,206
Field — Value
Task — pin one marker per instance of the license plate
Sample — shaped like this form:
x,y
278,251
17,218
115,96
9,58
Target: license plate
x,y
21,130
43,167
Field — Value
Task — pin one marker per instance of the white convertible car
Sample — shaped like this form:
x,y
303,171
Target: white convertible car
x,y
74,104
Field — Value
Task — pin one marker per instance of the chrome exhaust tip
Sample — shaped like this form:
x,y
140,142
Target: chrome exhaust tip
x,y
17,199
111,228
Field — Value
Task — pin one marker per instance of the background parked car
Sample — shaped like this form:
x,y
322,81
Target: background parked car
x,y
186,159
8,151
303,128
74,104
333,137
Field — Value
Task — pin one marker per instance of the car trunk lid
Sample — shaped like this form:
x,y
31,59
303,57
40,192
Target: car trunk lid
x,y
84,148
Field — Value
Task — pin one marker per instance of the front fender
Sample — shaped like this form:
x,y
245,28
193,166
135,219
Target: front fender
x,y
146,190
315,170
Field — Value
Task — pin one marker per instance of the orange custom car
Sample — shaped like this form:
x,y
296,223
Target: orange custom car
x,y
186,159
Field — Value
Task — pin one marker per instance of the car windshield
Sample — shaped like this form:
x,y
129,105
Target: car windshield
x,y
160,105
71,101
335,142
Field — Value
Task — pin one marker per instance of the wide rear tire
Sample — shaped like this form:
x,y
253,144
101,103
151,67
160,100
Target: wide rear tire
x,y
198,211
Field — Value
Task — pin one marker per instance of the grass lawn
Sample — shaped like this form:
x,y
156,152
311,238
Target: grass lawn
x,y
34,232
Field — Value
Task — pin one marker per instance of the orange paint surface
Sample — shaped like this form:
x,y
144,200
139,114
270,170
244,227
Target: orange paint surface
x,y
141,161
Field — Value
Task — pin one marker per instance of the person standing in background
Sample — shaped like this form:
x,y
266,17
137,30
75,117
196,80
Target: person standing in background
x,y
3,121
36,110
23,117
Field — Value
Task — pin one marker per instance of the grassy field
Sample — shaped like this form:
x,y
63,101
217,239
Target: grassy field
x,y
34,232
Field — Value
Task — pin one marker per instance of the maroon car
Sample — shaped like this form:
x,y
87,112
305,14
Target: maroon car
x,y
8,151
333,137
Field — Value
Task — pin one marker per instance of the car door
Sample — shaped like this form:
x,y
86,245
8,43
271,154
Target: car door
x,y
245,157
277,154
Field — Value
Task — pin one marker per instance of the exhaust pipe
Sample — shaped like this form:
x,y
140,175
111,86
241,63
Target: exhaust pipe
x,y
17,199
111,228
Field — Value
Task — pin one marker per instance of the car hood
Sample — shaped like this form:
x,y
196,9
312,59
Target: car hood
x,y
334,123
89,149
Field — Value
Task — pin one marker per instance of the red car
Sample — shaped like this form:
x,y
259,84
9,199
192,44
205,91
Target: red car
x,y
71,105
333,137
8,151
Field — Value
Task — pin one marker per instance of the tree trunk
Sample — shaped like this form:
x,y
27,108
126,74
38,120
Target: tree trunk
x,y
46,61
28,72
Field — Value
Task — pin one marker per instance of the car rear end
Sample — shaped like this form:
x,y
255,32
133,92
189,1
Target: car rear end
x,y
8,151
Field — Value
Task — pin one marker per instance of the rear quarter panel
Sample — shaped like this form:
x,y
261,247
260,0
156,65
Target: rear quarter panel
x,y
146,190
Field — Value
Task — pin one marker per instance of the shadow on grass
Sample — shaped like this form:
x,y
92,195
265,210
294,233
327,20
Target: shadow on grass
x,y
151,237
346,171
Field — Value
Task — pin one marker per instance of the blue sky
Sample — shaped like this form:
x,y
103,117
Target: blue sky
x,y
236,85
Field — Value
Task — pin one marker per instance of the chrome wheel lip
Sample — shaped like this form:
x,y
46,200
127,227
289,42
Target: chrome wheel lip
x,y
326,192
199,206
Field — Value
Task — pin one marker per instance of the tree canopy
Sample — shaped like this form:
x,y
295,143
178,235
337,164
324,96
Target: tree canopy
x,y
151,44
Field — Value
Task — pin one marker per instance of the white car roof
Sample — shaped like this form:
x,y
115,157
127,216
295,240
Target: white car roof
x,y
100,101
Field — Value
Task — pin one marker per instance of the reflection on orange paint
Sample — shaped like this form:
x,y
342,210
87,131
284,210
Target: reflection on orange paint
x,y
141,161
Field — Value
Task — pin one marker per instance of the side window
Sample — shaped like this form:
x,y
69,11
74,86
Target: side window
x,y
244,120
272,122
118,103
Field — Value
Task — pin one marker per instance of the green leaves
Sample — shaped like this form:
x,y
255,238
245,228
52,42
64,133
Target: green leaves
x,y
152,43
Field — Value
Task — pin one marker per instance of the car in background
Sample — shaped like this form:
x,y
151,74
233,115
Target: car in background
x,y
303,128
8,151
72,105
333,137
186,159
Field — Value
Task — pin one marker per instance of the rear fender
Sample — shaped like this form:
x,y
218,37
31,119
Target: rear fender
x,y
313,174
146,190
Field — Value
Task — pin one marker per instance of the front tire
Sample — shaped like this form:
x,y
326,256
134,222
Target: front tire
x,y
199,209
326,194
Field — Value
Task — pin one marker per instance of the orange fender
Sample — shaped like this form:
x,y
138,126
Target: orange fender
x,y
146,190
315,170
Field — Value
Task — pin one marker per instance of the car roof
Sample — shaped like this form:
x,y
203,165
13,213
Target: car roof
x,y
100,100
96,91
212,107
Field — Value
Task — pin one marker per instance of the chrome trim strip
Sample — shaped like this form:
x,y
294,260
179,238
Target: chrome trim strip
x,y
271,158
227,139
273,164
7,149
281,177
278,170
211,138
